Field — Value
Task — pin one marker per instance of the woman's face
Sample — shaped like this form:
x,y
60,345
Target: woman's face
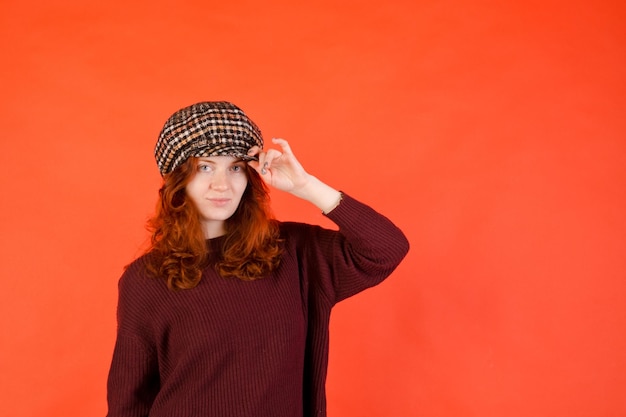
x,y
216,189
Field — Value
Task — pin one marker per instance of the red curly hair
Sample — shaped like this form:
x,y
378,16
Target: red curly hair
x,y
179,250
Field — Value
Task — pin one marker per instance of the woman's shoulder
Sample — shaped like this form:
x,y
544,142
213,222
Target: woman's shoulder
x,y
139,264
137,272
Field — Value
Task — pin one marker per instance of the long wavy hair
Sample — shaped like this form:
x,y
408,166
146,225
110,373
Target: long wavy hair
x,y
179,250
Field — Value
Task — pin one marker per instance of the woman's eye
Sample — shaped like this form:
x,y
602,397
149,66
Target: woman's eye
x,y
237,168
204,167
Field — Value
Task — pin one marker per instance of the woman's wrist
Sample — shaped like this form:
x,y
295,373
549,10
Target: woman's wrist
x,y
320,194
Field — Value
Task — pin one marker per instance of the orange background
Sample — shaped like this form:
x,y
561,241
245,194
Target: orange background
x,y
492,133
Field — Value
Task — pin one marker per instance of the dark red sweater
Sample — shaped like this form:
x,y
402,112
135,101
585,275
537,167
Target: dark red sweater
x,y
232,348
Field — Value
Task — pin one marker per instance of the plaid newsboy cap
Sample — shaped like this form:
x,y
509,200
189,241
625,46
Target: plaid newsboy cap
x,y
212,128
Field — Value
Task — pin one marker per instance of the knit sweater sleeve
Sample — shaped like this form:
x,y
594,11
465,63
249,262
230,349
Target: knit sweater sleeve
x,y
133,380
367,249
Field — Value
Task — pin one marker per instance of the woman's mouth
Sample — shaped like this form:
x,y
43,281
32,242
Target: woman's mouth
x,y
219,201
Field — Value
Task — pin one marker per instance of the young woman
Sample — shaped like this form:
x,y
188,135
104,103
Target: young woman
x,y
227,314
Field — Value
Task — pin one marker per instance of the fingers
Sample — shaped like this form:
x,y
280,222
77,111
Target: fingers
x,y
253,151
283,144
266,158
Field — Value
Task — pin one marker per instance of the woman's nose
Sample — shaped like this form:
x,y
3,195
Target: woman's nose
x,y
219,181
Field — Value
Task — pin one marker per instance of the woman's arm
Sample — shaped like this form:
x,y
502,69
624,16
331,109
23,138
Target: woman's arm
x,y
281,170
133,381
368,246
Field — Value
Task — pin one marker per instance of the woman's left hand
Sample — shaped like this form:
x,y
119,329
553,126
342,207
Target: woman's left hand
x,y
279,169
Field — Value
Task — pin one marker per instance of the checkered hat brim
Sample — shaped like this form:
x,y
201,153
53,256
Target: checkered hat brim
x,y
216,128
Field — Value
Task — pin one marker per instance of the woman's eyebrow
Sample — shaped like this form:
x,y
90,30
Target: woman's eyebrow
x,y
209,161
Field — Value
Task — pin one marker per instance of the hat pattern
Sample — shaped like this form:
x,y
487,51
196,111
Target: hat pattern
x,y
212,128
